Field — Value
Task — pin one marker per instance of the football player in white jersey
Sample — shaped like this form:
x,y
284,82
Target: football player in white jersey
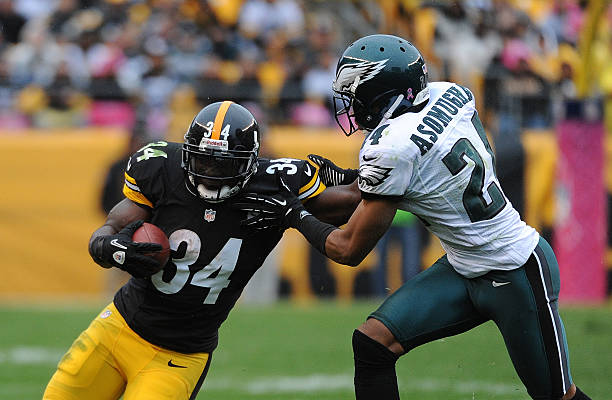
x,y
426,152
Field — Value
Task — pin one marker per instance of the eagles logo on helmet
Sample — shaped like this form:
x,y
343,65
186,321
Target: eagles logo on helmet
x,y
378,77
220,151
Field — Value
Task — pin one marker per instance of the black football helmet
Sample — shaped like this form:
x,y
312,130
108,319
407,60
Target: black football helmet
x,y
220,151
378,77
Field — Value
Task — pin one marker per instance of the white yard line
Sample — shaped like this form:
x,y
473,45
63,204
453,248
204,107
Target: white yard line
x,y
24,355
344,382
30,355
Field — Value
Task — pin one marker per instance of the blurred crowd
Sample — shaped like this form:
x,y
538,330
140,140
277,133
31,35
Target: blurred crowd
x,y
73,63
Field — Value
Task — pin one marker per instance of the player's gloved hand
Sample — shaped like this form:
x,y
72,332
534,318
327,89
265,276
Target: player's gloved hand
x,y
331,174
120,251
281,210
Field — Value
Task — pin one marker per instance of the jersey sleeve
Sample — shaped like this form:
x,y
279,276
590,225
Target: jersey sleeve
x,y
143,175
384,171
300,176
310,182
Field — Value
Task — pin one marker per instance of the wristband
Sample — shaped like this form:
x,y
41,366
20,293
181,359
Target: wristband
x,y
315,231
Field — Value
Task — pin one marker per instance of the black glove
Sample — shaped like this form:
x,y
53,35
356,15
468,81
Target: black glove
x,y
281,210
120,251
331,174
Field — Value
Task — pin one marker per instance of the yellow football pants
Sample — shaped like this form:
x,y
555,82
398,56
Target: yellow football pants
x,y
109,360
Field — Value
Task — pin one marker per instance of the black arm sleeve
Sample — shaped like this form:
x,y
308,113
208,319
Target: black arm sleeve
x,y
315,231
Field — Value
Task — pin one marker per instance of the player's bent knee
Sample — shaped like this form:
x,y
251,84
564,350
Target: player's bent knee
x,y
370,354
374,369
378,331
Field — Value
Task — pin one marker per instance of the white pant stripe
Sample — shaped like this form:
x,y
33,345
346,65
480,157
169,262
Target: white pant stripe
x,y
566,384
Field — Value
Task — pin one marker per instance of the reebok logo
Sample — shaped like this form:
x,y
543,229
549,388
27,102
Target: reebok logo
x,y
498,284
171,364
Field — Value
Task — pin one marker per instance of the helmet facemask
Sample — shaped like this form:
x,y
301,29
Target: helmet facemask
x,y
344,113
216,175
364,116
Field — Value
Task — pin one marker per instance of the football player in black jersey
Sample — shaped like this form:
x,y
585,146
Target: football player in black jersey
x,y
155,340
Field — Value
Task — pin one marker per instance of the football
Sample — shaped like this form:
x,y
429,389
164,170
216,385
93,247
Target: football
x,y
149,233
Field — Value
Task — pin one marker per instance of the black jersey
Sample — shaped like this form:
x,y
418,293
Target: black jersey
x,y
181,307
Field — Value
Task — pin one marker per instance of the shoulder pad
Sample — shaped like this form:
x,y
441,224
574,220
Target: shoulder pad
x,y
142,175
301,176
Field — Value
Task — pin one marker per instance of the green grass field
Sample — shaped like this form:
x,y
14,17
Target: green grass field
x,y
289,352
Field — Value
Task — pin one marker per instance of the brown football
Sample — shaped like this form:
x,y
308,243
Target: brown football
x,y
149,233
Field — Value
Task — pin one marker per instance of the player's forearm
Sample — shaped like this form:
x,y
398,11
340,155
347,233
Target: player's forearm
x,y
94,243
104,230
369,222
340,247
337,244
336,204
315,231
351,197
124,213
120,216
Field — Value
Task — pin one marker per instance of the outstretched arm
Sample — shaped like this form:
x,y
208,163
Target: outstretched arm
x,y
335,204
351,244
346,246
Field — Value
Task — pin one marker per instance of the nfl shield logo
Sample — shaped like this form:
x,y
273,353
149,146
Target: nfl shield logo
x,y
209,215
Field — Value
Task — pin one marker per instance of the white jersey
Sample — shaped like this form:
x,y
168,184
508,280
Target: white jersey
x,y
438,163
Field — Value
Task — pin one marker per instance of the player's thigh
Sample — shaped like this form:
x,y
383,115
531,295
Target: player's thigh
x,y
86,371
526,312
432,305
169,376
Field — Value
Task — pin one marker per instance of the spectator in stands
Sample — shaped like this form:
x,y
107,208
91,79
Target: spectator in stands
x,y
565,20
10,118
529,92
259,19
34,9
66,9
65,106
113,38
10,21
458,36
314,110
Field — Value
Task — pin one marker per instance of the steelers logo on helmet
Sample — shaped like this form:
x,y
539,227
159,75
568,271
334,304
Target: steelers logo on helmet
x,y
220,151
378,77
